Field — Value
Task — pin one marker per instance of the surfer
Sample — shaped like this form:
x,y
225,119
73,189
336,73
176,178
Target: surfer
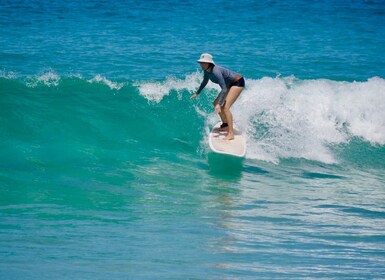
x,y
231,84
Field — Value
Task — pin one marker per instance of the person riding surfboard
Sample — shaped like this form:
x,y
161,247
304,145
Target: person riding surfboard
x,y
231,84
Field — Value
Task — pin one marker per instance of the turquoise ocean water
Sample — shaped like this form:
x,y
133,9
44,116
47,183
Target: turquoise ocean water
x,y
105,170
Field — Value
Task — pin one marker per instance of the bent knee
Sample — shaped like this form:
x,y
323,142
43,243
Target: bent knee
x,y
226,108
216,101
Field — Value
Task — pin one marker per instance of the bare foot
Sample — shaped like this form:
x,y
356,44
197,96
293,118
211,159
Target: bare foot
x,y
229,137
223,128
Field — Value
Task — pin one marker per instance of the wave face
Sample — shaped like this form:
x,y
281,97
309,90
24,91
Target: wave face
x,y
284,117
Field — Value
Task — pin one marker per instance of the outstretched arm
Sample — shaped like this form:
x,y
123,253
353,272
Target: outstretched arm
x,y
202,86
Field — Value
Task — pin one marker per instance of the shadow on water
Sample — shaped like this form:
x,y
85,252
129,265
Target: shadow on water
x,y
225,167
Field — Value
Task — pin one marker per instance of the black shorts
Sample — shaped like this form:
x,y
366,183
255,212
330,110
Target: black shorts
x,y
238,83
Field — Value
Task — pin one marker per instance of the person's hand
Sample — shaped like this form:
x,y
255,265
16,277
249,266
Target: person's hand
x,y
218,109
193,96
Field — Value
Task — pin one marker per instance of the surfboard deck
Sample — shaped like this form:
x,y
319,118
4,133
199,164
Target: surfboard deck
x,y
236,147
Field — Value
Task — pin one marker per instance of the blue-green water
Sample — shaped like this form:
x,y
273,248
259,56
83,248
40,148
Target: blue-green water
x,y
105,171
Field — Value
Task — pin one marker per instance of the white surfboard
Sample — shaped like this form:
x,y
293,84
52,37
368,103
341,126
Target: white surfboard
x,y
236,147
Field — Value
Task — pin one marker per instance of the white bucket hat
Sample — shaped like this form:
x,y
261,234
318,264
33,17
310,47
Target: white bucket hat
x,y
207,58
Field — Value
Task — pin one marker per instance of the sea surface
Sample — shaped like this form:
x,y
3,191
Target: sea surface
x,y
105,169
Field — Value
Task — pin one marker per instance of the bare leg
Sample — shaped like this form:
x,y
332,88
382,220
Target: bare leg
x,y
231,97
221,114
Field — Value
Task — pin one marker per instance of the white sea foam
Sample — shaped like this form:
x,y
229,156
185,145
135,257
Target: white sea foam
x,y
49,79
103,80
8,75
286,117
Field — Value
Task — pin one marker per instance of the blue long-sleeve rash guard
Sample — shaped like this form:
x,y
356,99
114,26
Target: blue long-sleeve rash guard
x,y
222,76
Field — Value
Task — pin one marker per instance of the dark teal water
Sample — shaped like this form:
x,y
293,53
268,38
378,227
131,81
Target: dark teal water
x,y
105,170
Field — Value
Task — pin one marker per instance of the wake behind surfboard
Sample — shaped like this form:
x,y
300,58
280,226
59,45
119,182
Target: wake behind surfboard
x,y
236,147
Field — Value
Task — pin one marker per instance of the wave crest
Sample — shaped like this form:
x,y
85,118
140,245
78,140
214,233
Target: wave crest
x,y
156,91
103,80
48,79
